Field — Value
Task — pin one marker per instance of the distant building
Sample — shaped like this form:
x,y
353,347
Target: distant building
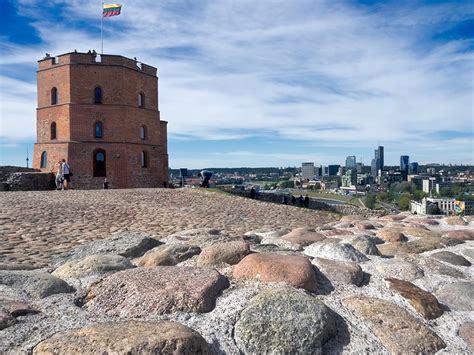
x,y
431,171
349,179
351,162
447,206
333,170
307,171
379,154
413,168
404,163
359,167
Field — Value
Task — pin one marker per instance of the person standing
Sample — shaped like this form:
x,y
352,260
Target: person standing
x,y
67,174
59,178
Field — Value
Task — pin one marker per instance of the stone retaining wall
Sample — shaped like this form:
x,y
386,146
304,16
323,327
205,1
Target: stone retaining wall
x,y
313,204
28,181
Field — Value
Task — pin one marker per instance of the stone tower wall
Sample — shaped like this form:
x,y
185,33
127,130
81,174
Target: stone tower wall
x,y
76,75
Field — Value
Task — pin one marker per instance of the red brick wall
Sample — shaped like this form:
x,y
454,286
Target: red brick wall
x,y
76,75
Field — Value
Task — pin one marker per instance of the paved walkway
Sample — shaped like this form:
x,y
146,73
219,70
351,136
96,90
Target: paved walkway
x,y
36,225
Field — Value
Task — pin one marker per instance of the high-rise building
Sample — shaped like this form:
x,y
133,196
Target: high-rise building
x,y
307,171
379,155
351,162
404,163
333,170
100,113
413,168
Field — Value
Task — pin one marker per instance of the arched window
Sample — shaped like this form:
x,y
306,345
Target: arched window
x,y
44,160
99,163
98,130
141,100
54,96
98,95
144,159
53,130
143,132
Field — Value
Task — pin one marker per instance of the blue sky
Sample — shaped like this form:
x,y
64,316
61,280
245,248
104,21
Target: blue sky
x,y
267,82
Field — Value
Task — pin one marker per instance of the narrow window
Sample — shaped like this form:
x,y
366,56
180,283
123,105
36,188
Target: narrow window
x,y
143,132
98,130
141,100
44,160
99,163
53,130
97,95
144,159
54,96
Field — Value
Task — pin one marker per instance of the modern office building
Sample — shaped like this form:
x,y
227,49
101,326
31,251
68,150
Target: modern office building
x,y
307,171
351,162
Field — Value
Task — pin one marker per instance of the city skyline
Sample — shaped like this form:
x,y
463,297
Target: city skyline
x,y
267,84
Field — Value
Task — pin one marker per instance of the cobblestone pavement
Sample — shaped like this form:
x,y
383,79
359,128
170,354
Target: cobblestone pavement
x,y
37,225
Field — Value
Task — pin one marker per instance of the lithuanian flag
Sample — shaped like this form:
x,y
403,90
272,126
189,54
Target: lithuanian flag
x,y
111,10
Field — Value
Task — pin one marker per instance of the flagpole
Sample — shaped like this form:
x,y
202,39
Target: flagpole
x,y
101,30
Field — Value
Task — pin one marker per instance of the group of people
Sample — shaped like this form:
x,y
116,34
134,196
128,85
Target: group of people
x,y
300,201
63,175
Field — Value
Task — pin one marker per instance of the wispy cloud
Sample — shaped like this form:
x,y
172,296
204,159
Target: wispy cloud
x,y
332,72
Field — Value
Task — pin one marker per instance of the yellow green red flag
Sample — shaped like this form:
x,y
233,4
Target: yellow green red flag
x,y
109,10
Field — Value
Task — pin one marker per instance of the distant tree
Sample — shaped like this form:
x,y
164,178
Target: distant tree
x,y
370,201
285,184
404,186
383,196
419,195
404,202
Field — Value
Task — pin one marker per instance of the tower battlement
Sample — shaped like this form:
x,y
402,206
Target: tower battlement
x,y
92,58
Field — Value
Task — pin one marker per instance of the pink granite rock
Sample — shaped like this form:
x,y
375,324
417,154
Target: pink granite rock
x,y
296,271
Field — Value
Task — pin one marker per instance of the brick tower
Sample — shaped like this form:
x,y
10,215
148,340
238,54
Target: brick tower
x,y
100,113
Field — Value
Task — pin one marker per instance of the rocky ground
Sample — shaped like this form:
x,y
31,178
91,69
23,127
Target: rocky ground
x,y
187,271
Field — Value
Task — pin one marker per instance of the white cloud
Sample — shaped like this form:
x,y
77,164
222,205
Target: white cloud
x,y
287,67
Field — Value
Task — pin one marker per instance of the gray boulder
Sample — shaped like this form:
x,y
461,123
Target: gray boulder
x,y
365,244
127,244
36,283
284,321
343,252
458,296
92,265
168,255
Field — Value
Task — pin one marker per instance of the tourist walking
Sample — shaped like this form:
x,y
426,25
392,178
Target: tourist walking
x,y
59,178
67,174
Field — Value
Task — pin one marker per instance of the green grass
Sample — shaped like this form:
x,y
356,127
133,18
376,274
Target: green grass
x,y
331,196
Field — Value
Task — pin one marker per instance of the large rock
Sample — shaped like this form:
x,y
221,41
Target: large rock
x,y
399,331
393,217
284,321
168,255
433,265
127,244
345,272
336,232
458,296
230,253
424,302
200,237
420,232
154,291
469,253
343,252
365,245
364,225
455,221
391,234
296,271
466,332
400,269
422,221
36,283
303,236
131,337
460,234
417,246
92,265
451,258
